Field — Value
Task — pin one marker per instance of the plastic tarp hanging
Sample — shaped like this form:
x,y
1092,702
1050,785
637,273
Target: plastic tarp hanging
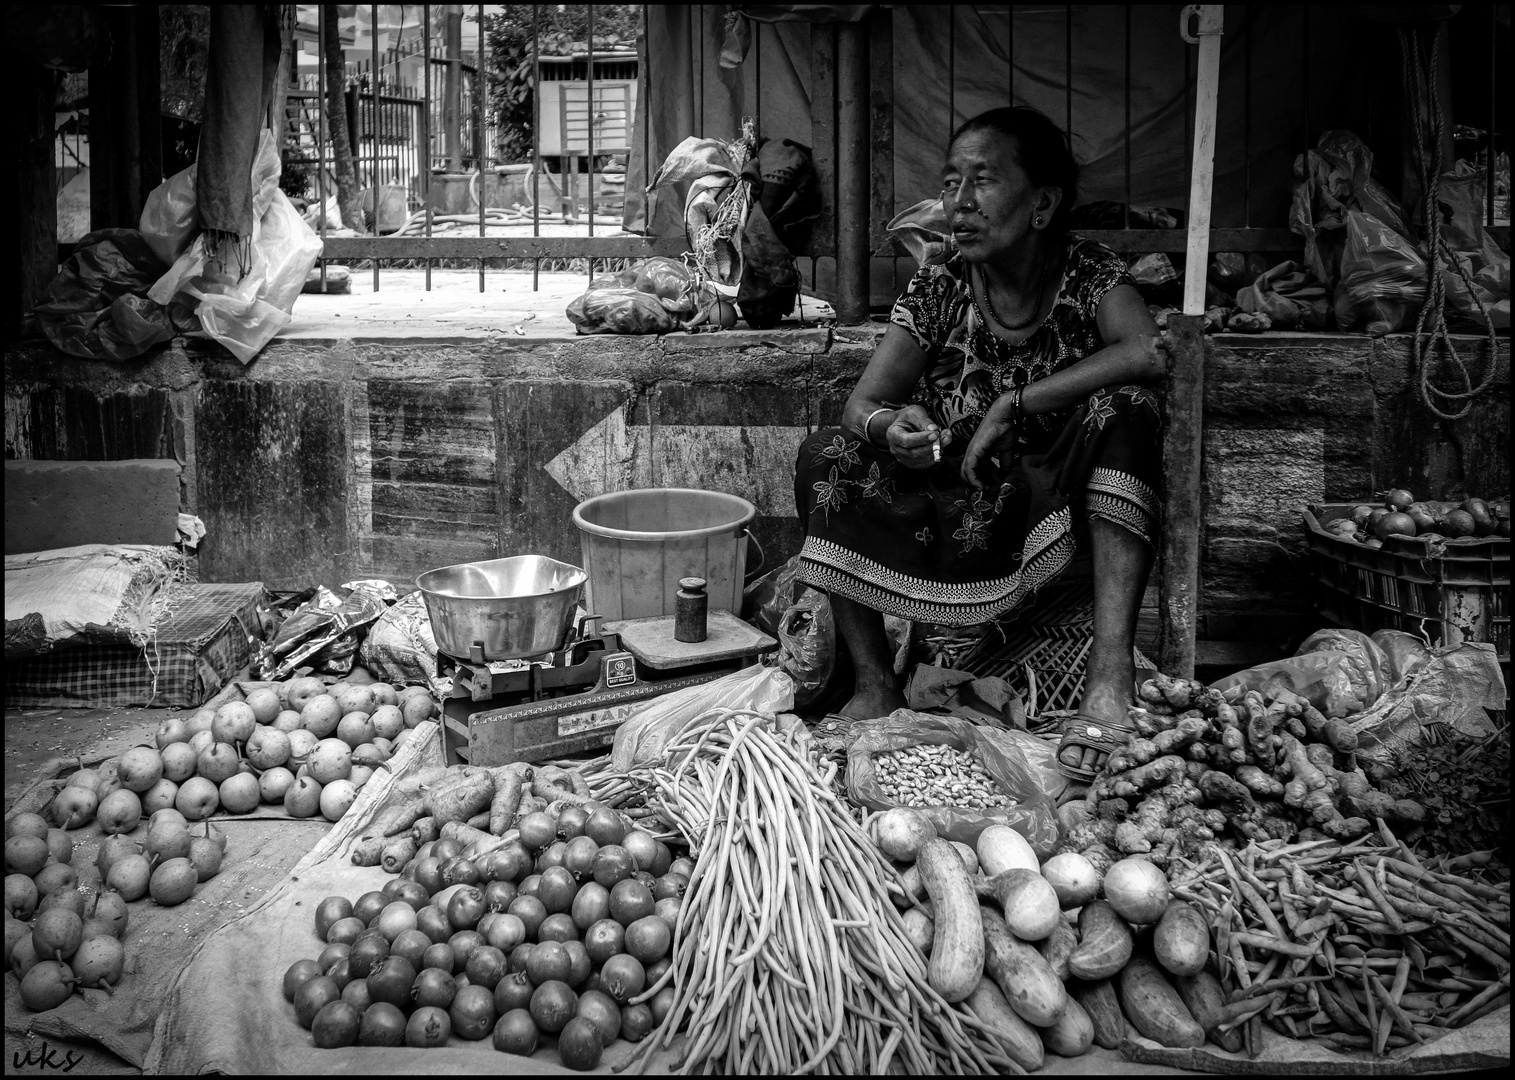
x,y
244,312
1461,195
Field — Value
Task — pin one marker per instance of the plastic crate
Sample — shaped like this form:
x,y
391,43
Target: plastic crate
x,y
1448,590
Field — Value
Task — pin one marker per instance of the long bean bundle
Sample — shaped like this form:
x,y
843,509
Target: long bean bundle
x,y
788,956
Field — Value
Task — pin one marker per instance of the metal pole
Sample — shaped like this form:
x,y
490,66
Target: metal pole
x,y
536,139
373,128
589,114
852,256
426,127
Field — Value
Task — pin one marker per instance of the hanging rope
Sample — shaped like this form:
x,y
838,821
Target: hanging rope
x,y
1421,72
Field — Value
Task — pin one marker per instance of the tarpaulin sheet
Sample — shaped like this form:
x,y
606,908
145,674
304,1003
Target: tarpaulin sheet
x,y
159,940
227,1012
1305,71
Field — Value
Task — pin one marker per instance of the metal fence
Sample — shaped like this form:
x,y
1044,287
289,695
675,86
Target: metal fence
x,y
834,48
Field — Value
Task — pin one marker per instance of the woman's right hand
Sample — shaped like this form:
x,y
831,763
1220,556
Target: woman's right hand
x,y
911,437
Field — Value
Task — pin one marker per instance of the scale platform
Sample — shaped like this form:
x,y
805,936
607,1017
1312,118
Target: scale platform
x,y
573,699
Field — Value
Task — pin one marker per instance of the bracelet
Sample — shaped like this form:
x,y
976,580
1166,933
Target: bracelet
x,y
867,436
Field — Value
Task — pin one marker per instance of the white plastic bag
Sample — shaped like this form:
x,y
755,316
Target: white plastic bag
x,y
171,218
245,313
650,727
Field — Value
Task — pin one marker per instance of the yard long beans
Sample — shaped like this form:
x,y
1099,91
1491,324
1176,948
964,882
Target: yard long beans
x,y
788,956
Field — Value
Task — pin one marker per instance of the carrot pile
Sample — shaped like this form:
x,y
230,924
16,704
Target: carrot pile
x,y
1361,945
788,956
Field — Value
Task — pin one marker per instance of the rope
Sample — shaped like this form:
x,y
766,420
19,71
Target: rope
x,y
1431,322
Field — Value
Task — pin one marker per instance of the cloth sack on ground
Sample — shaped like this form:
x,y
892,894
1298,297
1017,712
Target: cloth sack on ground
x,y
1289,295
1033,814
70,589
649,725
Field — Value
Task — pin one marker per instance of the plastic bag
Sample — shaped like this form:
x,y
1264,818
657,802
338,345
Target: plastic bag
x,y
671,282
766,599
1461,198
316,626
1330,181
650,725
620,311
1383,278
1406,653
96,307
400,647
1340,672
1033,814
170,219
244,311
807,646
924,230
1457,687
1289,295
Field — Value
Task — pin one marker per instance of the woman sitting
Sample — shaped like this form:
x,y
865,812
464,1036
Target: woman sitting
x,y
1003,422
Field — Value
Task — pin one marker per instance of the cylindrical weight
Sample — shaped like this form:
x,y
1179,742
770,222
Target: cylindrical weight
x,y
689,610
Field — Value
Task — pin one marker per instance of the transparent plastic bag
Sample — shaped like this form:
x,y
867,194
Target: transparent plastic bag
x,y
766,599
170,220
1383,278
649,726
1033,814
807,646
671,282
1340,672
620,311
1406,653
924,230
1373,670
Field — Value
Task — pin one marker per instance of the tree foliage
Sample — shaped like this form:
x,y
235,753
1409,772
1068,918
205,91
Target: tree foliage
x,y
562,29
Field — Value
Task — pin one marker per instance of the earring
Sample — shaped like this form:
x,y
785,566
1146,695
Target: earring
x,y
1037,220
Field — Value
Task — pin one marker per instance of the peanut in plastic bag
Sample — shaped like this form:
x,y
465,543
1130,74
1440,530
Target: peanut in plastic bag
x,y
1033,814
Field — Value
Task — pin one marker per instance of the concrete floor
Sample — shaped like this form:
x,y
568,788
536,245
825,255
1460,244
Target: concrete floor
x,y
508,308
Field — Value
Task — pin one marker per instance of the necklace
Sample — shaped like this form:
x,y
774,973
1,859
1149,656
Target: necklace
x,y
988,304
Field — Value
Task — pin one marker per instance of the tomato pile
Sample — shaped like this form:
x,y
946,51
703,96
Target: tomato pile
x,y
560,935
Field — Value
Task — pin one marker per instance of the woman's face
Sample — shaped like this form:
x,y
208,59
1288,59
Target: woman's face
x,y
990,200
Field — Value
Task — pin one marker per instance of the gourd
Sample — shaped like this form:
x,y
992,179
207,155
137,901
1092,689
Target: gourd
x,y
1153,1006
1021,1041
957,947
1030,986
1104,942
1073,1033
1099,1002
1181,941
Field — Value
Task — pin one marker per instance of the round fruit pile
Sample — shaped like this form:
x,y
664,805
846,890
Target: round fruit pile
x,y
1401,515
555,936
301,744
56,941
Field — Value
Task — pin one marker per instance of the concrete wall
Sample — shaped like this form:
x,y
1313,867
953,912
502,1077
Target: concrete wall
x,y
328,460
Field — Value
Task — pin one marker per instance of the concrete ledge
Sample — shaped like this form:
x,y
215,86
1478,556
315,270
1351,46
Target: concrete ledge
x,y
54,504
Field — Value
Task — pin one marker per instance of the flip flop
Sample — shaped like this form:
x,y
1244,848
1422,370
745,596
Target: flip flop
x,y
835,730
1090,733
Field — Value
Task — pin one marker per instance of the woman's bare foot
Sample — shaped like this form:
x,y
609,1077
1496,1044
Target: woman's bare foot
x,y
870,703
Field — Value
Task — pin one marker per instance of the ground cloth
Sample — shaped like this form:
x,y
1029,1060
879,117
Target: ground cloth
x,y
158,940
227,1012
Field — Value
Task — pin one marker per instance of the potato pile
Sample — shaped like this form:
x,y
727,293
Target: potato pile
x,y
1200,767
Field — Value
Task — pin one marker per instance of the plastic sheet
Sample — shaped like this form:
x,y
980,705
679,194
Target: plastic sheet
x,y
1462,192
170,221
321,632
96,308
924,230
1457,687
1383,278
1329,182
1000,753
641,737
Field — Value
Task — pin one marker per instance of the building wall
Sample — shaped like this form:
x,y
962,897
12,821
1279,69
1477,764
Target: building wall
x,y
327,461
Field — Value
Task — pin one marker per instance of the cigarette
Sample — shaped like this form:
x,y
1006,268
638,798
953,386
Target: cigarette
x,y
936,447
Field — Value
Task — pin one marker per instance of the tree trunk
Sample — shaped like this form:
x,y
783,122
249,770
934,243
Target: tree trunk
x,y
349,201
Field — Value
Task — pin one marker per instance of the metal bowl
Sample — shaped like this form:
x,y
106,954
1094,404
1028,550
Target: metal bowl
x,y
516,607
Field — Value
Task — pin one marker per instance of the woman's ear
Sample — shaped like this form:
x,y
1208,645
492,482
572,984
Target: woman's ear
x,y
1048,200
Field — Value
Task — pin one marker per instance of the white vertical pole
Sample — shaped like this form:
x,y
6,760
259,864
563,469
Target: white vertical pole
x,y
1211,19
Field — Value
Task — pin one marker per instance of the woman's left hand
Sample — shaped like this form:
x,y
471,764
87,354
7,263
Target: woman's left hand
x,y
995,438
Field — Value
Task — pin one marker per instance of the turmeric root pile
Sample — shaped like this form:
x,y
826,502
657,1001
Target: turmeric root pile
x,y
1266,767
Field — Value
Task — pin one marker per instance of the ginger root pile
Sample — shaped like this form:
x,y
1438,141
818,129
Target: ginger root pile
x,y
1268,766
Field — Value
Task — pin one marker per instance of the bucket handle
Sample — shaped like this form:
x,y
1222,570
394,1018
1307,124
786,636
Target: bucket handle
x,y
762,558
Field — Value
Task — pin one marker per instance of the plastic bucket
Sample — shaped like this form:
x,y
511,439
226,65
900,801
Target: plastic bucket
x,y
637,544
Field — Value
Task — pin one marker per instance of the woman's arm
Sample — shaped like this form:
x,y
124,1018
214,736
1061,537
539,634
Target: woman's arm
x,y
1133,353
896,366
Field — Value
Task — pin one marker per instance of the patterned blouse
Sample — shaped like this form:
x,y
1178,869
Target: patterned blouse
x,y
970,367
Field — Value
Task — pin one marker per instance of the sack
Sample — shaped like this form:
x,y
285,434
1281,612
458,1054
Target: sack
x,y
400,647
1033,814
1289,295
640,739
807,646
1486,266
308,636
619,310
244,311
1383,278
171,219
97,306
1458,687
770,279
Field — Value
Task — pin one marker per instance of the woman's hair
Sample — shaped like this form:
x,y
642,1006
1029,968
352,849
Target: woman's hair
x,y
1042,148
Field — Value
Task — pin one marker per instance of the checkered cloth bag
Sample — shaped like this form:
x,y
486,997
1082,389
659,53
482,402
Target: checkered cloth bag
x,y
208,637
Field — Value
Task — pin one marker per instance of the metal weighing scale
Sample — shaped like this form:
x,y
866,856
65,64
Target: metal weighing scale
x,y
573,698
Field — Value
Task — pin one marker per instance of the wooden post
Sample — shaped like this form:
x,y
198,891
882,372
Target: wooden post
x,y
1183,514
852,251
126,152
1196,266
881,124
33,262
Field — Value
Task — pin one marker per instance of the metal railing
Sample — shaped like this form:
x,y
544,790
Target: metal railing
x,y
826,136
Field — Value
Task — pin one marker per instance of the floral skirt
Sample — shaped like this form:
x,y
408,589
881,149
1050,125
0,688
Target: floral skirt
x,y
922,545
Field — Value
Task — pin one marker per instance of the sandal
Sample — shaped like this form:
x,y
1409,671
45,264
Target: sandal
x,y
834,731
1090,733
